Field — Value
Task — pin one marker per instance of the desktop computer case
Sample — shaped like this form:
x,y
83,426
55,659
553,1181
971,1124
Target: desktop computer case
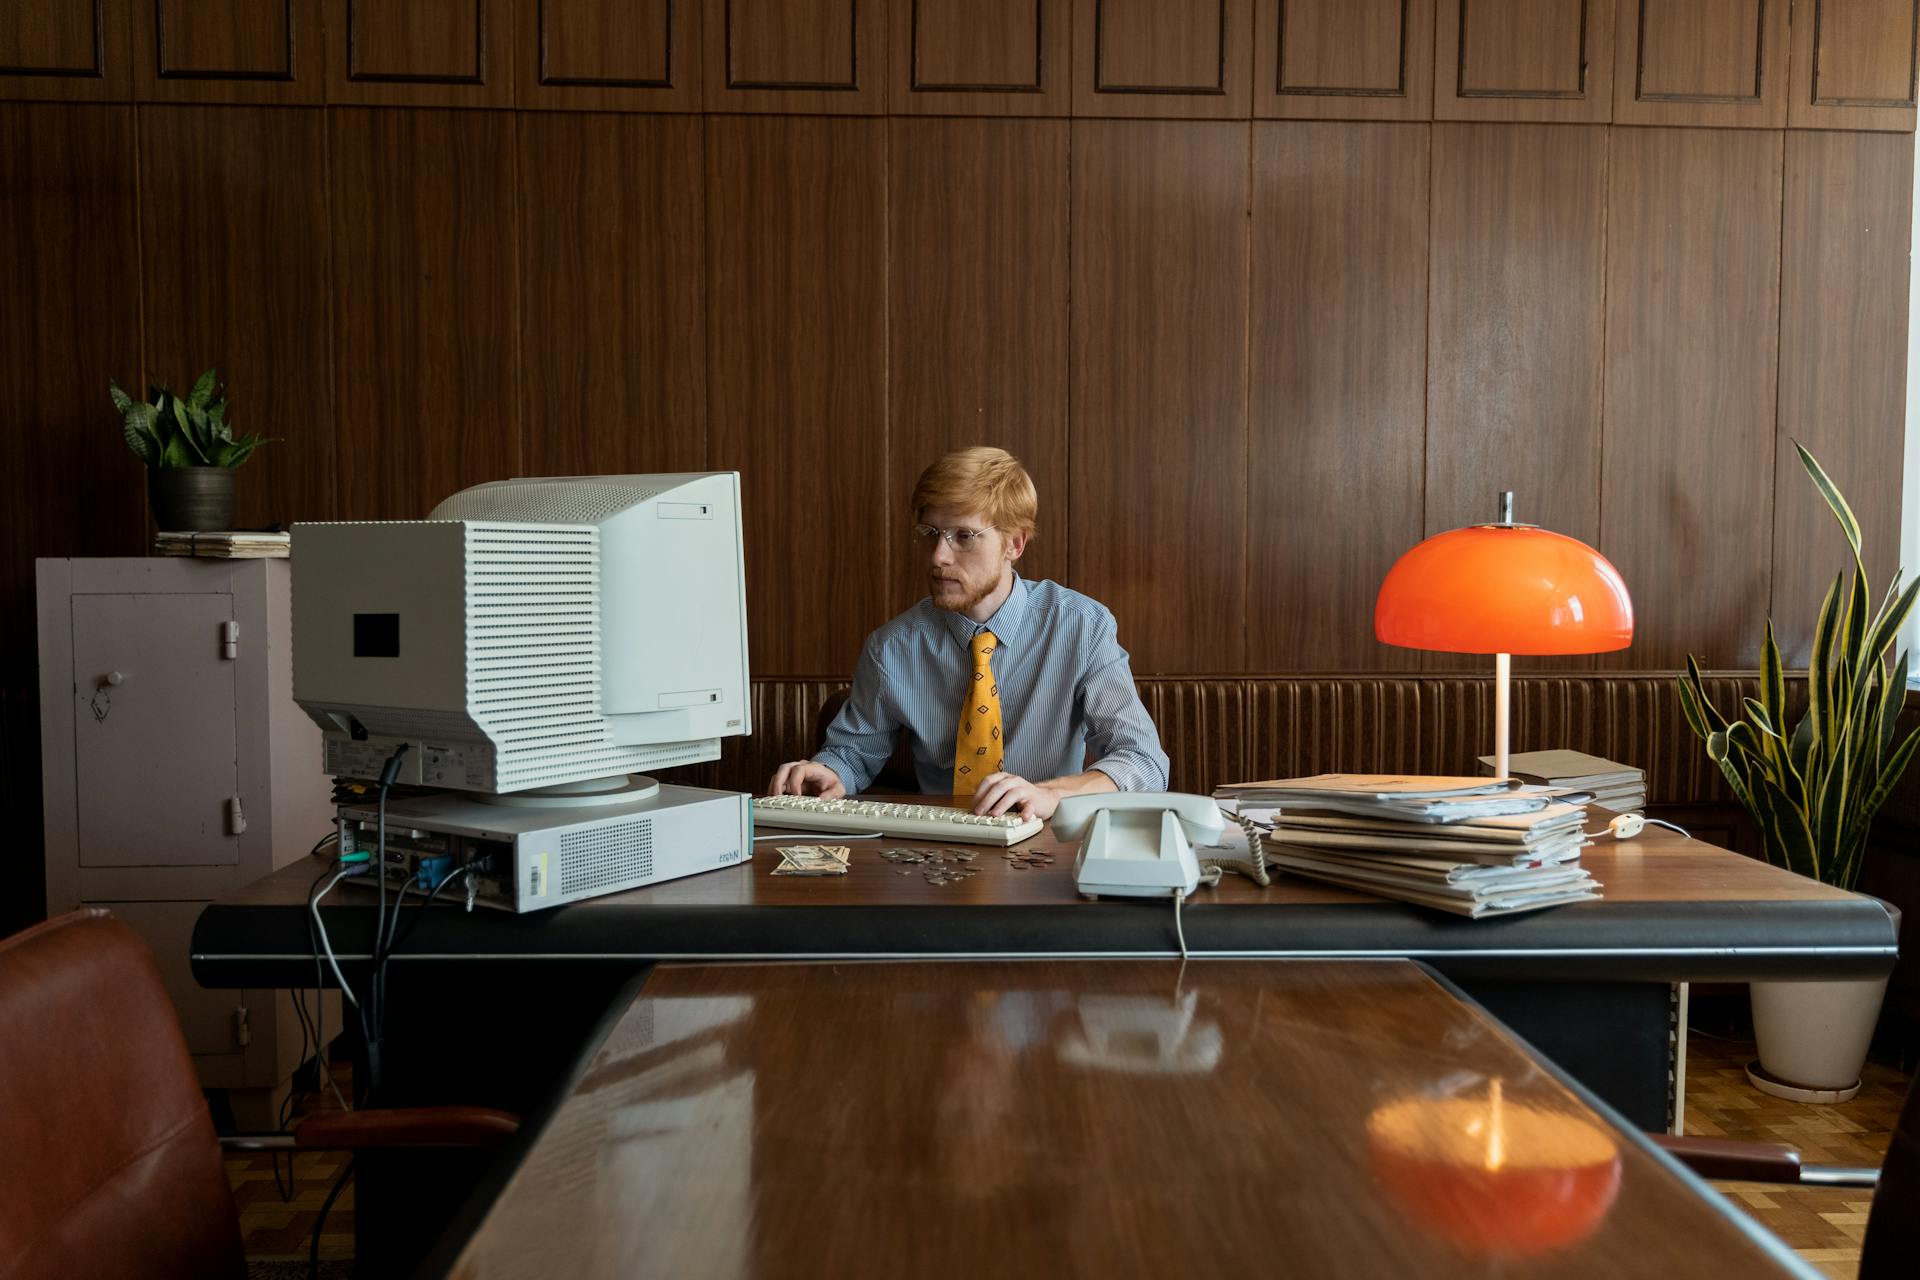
x,y
538,857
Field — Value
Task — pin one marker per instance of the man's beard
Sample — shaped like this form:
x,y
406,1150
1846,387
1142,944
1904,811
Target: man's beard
x,y
971,597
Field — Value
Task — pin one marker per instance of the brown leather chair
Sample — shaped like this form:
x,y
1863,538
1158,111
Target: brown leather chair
x,y
1893,1223
896,776
109,1164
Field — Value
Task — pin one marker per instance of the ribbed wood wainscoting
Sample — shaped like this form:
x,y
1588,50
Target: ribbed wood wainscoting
x,y
1230,728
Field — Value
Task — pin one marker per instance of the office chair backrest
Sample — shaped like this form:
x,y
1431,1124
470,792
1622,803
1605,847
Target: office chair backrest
x,y
1893,1224
108,1164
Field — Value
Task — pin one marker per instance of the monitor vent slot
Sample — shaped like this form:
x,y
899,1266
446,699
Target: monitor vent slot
x,y
606,856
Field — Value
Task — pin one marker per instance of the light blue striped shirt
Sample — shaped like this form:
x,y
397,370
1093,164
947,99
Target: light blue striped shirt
x,y
1066,694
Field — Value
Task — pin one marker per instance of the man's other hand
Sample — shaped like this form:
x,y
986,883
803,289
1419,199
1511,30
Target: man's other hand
x,y
1003,793
806,778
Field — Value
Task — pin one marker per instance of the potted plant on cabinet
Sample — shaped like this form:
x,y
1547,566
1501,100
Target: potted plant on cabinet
x,y
1813,790
190,452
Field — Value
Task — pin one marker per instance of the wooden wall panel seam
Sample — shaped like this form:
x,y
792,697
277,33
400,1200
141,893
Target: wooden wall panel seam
x,y
1759,64
543,78
1913,66
1039,59
482,36
161,71
1779,333
98,71
1216,90
850,85
1280,85
1460,68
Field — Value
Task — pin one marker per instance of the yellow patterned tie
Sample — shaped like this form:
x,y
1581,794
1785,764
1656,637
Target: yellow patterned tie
x,y
979,748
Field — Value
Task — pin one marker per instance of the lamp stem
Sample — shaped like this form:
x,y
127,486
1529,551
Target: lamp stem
x,y
1502,678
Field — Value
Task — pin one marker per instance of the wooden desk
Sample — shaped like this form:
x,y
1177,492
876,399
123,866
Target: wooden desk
x,y
1084,1118
1590,985
1674,910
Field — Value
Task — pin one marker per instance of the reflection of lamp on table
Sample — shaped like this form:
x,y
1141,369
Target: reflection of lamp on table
x,y
1491,1176
1504,588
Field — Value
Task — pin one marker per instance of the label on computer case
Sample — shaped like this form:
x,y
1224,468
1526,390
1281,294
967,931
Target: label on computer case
x,y
450,766
537,882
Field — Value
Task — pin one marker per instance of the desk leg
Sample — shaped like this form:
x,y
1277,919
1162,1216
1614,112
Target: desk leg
x,y
462,1032
1616,1038
1679,1106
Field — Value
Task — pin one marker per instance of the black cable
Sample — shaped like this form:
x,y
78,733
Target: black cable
x,y
383,951
375,991
287,1104
393,925
313,1250
414,923
309,1033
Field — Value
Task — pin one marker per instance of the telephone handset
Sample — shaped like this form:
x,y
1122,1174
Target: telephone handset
x,y
1138,844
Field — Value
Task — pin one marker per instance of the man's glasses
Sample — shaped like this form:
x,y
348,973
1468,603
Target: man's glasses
x,y
961,540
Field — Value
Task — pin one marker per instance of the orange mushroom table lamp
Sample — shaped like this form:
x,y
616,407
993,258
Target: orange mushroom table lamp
x,y
1504,588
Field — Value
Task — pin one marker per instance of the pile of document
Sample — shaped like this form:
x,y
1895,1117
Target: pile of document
x,y
1471,846
1618,788
224,545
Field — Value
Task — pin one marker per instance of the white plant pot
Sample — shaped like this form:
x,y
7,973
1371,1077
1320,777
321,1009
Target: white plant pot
x,y
1814,1036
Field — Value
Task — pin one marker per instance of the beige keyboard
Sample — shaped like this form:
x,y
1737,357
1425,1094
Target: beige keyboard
x,y
877,817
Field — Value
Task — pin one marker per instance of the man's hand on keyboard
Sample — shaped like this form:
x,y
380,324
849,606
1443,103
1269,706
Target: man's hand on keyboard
x,y
1002,793
806,778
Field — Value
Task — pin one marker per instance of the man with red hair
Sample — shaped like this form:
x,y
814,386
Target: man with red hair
x,y
995,680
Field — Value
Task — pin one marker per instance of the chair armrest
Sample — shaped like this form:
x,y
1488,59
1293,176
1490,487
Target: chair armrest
x,y
1736,1161
481,1127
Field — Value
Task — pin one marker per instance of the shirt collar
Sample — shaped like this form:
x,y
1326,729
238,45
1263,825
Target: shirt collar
x,y
1005,622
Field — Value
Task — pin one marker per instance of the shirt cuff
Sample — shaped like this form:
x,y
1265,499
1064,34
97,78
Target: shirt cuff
x,y
843,770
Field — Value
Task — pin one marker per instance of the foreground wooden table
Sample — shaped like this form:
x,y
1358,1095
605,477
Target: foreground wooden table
x,y
1087,1118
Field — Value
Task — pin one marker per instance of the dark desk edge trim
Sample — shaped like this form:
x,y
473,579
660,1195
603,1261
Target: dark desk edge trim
x,y
533,1126
1549,965
1770,1245
1196,953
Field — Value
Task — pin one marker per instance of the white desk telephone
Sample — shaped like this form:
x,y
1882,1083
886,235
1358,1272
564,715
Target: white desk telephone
x,y
1138,844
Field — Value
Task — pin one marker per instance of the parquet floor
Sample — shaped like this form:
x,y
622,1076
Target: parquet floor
x,y
1824,1225
277,1230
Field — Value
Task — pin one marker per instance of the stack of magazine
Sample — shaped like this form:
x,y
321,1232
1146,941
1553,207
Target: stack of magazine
x,y
1472,846
1619,788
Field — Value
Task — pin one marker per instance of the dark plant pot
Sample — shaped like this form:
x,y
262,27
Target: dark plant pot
x,y
191,499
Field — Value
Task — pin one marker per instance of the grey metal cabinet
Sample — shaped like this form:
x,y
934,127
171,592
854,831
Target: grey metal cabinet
x,y
177,767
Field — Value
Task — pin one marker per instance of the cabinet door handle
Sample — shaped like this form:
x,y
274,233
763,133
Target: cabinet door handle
x,y
236,817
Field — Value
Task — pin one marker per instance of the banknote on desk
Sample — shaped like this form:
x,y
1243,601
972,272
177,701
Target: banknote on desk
x,y
812,860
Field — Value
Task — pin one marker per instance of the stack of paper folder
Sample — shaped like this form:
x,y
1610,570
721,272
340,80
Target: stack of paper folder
x,y
224,545
1467,845
1618,788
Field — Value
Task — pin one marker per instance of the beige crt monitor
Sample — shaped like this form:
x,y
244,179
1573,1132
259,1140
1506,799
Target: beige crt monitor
x,y
535,643
529,633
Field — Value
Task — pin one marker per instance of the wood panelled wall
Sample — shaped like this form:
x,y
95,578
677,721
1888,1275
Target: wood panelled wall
x,y
1263,290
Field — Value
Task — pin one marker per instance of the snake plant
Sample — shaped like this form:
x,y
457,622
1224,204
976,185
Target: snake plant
x,y
172,432
1814,791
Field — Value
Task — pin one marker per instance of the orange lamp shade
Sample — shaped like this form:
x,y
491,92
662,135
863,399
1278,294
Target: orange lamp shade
x,y
1504,588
